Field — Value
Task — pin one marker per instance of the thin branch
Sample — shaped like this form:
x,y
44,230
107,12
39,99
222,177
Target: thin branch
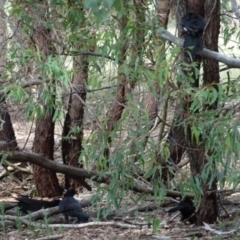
x,y
87,53
218,232
14,166
52,237
93,224
24,85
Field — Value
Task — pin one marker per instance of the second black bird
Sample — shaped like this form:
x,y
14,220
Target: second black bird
x,y
193,26
27,204
187,210
69,206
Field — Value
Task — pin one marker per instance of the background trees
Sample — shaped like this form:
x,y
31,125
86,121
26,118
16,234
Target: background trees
x,y
125,102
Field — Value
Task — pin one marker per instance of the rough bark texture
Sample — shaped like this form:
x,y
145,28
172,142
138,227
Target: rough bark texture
x,y
72,141
46,181
208,206
211,67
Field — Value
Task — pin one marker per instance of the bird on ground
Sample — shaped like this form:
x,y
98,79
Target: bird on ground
x,y
187,210
69,206
27,204
193,26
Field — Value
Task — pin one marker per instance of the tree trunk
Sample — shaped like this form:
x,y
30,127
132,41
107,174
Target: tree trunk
x,y
208,211
46,181
114,113
72,135
151,100
73,125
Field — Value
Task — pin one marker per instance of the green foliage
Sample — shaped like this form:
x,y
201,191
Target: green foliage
x,y
106,35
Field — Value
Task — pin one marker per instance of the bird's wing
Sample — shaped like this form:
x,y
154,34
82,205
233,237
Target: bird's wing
x,y
69,204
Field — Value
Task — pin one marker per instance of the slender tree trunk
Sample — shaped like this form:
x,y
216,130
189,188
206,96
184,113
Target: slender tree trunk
x,y
73,125
208,206
114,113
46,181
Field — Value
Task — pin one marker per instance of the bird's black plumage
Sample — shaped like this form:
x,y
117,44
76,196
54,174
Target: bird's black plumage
x,y
27,204
187,210
193,26
69,206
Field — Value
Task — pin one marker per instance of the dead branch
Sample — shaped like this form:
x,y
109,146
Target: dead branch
x,y
133,222
74,172
147,207
229,61
16,167
93,224
215,231
50,237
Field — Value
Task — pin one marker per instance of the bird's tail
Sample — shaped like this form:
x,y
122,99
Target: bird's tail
x,y
83,216
192,45
177,208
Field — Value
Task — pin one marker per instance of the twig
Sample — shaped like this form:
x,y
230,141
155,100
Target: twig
x,y
147,207
224,209
134,222
28,136
17,167
93,224
50,237
11,174
215,231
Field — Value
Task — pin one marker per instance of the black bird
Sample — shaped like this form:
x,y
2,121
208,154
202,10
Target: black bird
x,y
187,209
193,26
27,204
69,206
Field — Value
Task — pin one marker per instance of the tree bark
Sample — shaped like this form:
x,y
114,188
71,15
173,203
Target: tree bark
x,y
46,181
73,125
114,113
208,211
